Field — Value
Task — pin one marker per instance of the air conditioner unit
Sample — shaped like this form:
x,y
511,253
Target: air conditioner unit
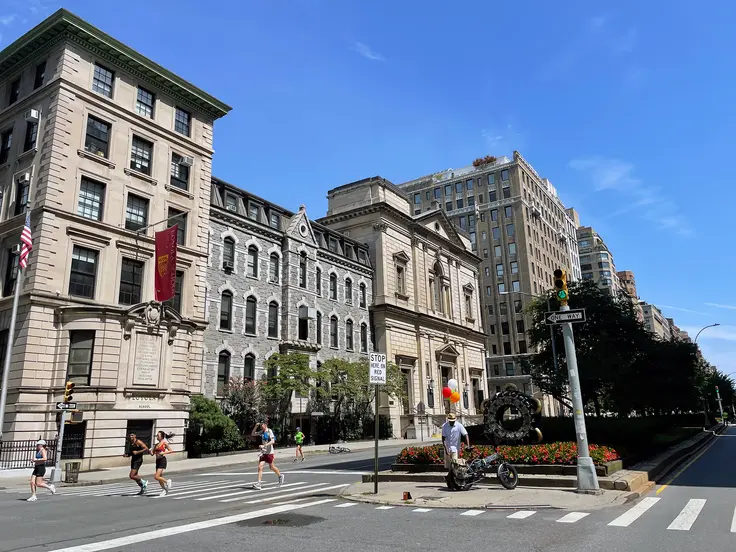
x,y
32,115
24,178
15,249
227,265
186,161
311,313
76,418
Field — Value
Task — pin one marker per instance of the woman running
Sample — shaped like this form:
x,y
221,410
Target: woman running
x,y
39,470
161,449
299,438
137,449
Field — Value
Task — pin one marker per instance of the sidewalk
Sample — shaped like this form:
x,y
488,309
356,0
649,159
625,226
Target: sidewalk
x,y
9,480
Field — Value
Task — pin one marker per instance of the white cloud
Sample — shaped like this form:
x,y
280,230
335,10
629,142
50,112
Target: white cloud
x,y
365,51
721,306
670,307
8,19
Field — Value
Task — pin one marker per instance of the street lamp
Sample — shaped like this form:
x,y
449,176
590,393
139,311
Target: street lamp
x,y
430,393
705,328
466,401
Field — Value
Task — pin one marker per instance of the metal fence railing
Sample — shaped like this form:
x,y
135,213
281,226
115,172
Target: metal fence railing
x,y
19,454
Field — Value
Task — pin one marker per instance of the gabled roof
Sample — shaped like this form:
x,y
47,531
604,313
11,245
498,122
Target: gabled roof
x,y
446,223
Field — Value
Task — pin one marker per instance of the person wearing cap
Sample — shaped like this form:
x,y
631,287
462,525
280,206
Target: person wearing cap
x,y
452,434
299,439
39,470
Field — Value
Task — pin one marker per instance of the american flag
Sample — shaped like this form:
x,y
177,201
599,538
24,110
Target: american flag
x,y
26,242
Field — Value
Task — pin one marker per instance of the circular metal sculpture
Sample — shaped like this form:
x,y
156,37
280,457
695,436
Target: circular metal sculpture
x,y
529,413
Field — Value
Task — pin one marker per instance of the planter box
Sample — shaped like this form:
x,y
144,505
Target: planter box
x,y
543,469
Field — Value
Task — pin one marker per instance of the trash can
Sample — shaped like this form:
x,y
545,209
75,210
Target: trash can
x,y
71,472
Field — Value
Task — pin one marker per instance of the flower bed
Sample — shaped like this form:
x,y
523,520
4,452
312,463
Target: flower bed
x,y
552,453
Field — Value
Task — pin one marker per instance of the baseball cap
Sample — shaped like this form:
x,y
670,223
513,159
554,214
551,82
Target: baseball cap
x,y
41,442
451,417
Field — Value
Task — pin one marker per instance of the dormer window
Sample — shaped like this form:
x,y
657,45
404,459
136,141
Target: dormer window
x,y
253,211
231,203
333,245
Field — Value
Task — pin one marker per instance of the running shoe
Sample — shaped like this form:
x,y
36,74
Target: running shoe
x,y
281,479
257,486
52,488
32,498
169,483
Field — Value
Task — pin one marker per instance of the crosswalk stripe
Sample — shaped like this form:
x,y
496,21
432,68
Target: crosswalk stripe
x,y
421,510
299,485
572,517
472,513
205,489
346,505
322,489
733,522
634,513
239,493
293,501
523,514
133,489
385,508
684,521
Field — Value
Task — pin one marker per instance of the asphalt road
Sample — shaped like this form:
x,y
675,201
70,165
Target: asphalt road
x,y
693,511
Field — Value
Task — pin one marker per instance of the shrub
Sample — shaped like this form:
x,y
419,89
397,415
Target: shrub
x,y
210,430
553,453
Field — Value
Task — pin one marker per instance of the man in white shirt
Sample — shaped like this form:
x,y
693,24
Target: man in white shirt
x,y
452,433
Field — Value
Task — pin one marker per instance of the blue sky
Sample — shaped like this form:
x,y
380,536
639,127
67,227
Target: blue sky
x,y
627,110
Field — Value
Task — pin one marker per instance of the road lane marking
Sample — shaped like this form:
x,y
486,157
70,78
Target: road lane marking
x,y
279,490
573,517
240,493
207,489
523,514
421,510
472,513
311,491
297,472
634,513
132,489
686,466
684,521
391,508
137,538
346,505
733,522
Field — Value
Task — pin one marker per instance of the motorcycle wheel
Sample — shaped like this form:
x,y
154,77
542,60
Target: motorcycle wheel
x,y
507,476
454,485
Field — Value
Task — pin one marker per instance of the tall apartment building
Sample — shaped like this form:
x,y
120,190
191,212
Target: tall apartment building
x,y
522,232
628,285
426,307
655,322
596,260
103,146
277,283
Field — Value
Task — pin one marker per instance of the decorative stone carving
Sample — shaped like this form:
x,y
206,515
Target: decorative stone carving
x,y
154,316
380,227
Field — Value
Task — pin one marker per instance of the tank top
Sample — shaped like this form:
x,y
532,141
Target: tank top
x,y
39,455
137,446
160,447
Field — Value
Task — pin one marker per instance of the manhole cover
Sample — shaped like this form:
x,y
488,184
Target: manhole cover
x,y
289,520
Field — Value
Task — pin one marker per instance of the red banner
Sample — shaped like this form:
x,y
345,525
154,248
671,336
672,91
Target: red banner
x,y
165,280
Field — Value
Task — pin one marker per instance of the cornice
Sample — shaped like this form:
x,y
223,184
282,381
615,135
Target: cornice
x,y
430,323
328,255
217,213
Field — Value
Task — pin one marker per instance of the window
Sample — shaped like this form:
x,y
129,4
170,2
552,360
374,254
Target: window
x,y
499,270
14,93
469,305
494,349
179,172
522,349
332,244
180,219
363,298
223,372
274,269
427,195
349,335
510,230
140,155
175,301
514,267
249,367
102,80
136,212
319,328
505,175
584,243
401,280
318,281
469,184
459,203
437,193
131,282
497,251
6,141
11,273
144,103
496,233
463,222
505,328
501,287
507,211
91,199
250,315
348,291
228,252
253,211
492,196
275,221
417,199
273,319
252,270
485,253
363,338
458,187
83,272
448,206
604,265
488,291
483,235
448,189
494,214
509,368
586,267
21,196
471,201
182,121
333,332
333,287
520,326
503,308
491,179
31,135
518,306
506,348
231,203
40,76
492,329
480,198
512,249
487,271
516,285
97,139
79,362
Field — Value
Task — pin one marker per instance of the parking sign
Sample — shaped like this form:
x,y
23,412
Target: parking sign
x,y
378,368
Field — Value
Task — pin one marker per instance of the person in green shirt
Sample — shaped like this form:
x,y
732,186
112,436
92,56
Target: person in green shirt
x,y
299,438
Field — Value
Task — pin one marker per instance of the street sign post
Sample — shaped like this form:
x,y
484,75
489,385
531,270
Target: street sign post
x,y
561,317
376,376
66,406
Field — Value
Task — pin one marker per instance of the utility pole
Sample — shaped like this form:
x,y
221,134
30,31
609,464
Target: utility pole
x,y
720,405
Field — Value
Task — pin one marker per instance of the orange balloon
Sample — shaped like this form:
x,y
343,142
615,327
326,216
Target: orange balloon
x,y
455,397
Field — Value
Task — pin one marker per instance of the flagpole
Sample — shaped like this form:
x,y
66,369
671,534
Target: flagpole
x,y
9,349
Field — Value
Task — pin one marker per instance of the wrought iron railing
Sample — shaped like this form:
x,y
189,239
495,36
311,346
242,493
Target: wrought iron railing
x,y
19,454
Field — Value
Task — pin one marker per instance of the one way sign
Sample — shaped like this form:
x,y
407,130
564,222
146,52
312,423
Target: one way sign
x,y
561,317
66,406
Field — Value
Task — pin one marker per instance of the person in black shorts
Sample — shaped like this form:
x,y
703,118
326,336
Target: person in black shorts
x,y
161,449
137,449
39,470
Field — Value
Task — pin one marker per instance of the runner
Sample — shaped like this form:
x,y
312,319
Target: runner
x,y
299,438
137,449
161,449
267,453
39,470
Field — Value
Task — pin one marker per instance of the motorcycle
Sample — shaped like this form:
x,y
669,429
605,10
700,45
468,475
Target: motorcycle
x,y
463,475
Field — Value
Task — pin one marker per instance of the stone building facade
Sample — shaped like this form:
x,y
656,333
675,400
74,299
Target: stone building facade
x,y
104,147
279,282
426,310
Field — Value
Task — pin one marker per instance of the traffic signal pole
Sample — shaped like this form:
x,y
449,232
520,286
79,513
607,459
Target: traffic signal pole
x,y
59,442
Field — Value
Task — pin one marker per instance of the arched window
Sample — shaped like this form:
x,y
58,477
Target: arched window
x,y
349,335
303,270
363,338
319,328
223,372
333,287
226,310
250,315
363,297
333,332
252,261
348,291
436,285
318,281
228,254
274,269
273,319
249,367
303,323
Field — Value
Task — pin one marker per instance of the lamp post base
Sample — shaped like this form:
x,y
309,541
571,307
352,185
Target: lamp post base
x,y
587,478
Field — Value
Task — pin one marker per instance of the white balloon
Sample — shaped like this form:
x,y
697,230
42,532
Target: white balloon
x,y
452,384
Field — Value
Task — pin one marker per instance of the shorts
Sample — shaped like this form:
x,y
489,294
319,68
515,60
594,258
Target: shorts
x,y
39,470
136,462
299,444
267,458
161,463
449,457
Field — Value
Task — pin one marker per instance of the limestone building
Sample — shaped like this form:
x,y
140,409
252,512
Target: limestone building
x,y
104,147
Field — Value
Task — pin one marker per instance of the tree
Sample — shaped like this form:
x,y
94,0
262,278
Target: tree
x,y
210,430
709,380
286,374
243,401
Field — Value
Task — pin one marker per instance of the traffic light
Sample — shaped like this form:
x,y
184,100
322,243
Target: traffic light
x,y
68,392
561,286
